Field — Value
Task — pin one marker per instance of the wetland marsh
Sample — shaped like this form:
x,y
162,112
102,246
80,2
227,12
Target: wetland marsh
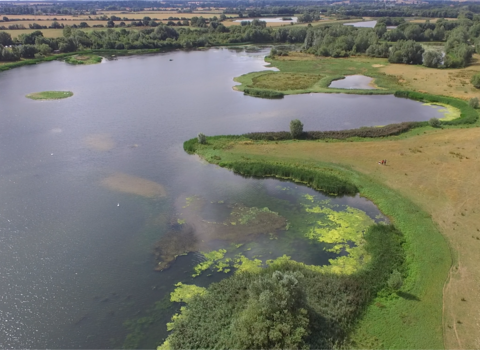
x,y
91,184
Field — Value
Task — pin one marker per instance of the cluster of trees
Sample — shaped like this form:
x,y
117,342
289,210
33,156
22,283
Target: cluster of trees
x,y
400,45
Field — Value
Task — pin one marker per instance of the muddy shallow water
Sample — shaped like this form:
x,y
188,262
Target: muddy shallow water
x,y
89,185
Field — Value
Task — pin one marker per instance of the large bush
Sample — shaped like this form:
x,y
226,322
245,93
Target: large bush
x,y
476,80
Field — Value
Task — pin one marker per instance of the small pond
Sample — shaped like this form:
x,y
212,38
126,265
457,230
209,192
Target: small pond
x,y
353,82
363,24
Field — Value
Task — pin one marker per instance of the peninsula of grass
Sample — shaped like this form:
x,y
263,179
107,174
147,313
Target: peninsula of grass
x,y
83,59
304,73
49,95
411,318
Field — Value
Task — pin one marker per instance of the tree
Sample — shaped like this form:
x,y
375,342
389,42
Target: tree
x,y
5,39
276,315
202,139
409,52
432,59
28,51
395,281
296,128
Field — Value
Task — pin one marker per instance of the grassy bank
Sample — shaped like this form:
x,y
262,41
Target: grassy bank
x,y
412,320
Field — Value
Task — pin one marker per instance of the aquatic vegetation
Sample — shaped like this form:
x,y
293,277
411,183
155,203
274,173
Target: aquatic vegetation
x,y
183,293
449,112
468,114
138,327
134,185
339,227
246,215
172,244
211,258
49,95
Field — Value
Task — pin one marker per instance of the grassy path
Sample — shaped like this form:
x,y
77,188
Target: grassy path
x,y
438,171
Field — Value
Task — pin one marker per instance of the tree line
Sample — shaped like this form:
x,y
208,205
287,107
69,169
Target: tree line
x,y
400,45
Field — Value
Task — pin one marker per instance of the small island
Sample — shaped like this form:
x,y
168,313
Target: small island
x,y
49,95
83,59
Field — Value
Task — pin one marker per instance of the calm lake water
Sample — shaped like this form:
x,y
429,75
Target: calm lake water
x,y
75,251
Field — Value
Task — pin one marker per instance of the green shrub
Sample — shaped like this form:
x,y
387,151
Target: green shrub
x,y
476,81
473,102
296,128
434,122
395,281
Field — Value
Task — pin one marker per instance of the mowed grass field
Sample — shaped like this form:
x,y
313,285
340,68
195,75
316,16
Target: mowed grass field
x,y
438,170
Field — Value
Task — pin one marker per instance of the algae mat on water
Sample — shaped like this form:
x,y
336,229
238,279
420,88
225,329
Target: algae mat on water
x,y
49,95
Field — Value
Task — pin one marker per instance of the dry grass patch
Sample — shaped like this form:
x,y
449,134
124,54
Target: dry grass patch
x,y
449,82
437,171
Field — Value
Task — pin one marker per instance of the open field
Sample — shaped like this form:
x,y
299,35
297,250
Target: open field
x,y
450,82
438,171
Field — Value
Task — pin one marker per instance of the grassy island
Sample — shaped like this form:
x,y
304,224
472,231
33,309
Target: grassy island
x,y
83,59
49,95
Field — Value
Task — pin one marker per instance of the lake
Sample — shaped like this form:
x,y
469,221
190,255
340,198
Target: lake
x,y
89,184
